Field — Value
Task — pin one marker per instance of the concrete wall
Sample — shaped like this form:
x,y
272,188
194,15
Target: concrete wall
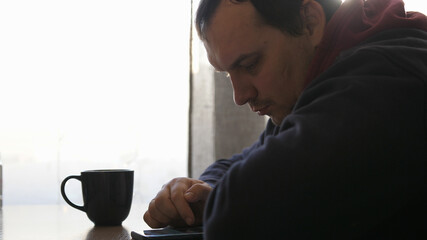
x,y
218,128
236,127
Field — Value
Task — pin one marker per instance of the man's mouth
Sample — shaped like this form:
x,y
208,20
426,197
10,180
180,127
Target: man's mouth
x,y
263,110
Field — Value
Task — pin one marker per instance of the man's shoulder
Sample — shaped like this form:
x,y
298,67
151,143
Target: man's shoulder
x,y
391,65
398,53
403,47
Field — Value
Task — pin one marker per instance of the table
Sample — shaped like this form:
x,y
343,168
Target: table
x,y
54,222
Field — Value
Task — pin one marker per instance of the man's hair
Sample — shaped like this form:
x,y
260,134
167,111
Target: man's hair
x,y
282,14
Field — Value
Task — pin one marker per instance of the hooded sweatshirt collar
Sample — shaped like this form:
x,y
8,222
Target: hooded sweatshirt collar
x,y
354,22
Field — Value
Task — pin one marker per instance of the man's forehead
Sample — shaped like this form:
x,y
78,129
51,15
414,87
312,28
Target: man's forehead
x,y
211,58
232,13
227,32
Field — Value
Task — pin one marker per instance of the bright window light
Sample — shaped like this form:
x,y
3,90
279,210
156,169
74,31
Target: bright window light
x,y
414,5
90,84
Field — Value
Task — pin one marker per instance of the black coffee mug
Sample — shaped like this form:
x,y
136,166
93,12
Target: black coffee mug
x,y
107,195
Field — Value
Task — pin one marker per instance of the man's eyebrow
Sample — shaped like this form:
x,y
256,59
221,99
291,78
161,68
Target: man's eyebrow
x,y
242,57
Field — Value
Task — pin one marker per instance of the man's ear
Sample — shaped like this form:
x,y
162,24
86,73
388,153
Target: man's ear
x,y
313,20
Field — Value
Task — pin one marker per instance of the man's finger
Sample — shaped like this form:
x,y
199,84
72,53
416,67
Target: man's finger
x,y
166,206
157,214
198,192
182,206
152,222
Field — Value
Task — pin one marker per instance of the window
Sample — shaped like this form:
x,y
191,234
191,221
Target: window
x,y
92,84
415,5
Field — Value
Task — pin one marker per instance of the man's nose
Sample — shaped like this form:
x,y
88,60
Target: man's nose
x,y
243,90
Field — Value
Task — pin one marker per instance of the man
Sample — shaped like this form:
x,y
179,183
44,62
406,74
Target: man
x,y
344,153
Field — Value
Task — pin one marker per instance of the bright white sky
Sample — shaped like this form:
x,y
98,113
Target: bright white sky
x,y
81,67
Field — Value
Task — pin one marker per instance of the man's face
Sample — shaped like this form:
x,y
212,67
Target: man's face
x,y
266,66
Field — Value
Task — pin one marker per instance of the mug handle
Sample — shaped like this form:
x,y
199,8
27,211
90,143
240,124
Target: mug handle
x,y
81,208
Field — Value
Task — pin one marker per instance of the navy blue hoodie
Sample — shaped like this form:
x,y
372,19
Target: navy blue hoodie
x,y
349,162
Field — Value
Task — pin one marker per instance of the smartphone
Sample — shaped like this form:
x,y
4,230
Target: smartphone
x,y
169,233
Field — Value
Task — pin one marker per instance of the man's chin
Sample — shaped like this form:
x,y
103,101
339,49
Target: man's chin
x,y
277,120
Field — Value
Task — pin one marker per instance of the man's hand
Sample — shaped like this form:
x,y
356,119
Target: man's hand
x,y
179,203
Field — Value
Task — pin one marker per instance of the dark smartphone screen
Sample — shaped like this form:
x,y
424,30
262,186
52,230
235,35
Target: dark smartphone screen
x,y
194,233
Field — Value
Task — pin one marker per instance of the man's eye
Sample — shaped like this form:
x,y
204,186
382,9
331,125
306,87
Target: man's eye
x,y
252,66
